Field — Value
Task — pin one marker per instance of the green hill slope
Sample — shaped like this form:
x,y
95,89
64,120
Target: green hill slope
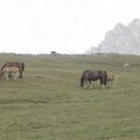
x,y
50,104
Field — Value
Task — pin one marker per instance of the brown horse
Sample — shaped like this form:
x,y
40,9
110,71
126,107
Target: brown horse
x,y
89,76
19,65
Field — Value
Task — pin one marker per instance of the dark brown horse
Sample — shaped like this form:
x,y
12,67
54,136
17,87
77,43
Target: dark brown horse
x,y
89,76
19,65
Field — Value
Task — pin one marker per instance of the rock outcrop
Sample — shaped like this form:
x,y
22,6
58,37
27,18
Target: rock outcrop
x,y
122,39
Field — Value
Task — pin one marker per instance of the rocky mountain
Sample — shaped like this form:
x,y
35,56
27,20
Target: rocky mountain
x,y
122,39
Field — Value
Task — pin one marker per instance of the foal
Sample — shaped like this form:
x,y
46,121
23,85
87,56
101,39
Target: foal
x,y
113,78
7,71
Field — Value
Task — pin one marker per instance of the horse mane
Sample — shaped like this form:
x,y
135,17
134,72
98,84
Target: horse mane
x,y
3,66
84,73
82,77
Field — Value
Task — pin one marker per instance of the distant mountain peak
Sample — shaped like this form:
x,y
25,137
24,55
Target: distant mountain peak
x,y
135,21
119,26
122,39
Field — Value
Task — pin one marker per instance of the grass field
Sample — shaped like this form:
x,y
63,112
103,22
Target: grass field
x,y
49,104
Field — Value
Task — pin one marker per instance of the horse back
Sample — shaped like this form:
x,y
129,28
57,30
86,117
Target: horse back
x,y
112,77
19,65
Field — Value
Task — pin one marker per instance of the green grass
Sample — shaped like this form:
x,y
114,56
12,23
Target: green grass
x,y
49,104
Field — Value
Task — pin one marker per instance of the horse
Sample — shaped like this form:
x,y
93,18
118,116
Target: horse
x,y
6,71
19,65
89,76
113,78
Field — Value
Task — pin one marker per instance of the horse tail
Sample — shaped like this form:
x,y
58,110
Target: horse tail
x,y
22,69
105,79
83,78
23,66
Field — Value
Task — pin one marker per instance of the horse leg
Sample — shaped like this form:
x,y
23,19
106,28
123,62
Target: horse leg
x,y
91,86
17,74
102,83
1,74
20,76
86,85
7,76
114,84
20,73
108,84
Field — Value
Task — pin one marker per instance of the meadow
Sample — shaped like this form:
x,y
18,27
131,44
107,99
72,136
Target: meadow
x,y
49,104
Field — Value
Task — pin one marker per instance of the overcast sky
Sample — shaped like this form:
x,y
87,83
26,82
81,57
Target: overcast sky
x,y
64,26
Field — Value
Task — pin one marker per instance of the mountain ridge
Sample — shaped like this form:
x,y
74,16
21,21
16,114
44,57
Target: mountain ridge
x,y
122,39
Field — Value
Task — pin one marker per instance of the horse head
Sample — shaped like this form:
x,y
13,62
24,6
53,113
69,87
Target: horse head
x,y
84,76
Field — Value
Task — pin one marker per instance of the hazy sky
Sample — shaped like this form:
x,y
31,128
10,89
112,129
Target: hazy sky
x,y
64,26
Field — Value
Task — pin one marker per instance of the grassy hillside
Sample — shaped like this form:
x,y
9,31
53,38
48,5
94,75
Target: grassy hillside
x,y
49,104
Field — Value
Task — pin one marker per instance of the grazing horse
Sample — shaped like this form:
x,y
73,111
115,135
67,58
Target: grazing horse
x,y
89,76
6,71
113,78
19,65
